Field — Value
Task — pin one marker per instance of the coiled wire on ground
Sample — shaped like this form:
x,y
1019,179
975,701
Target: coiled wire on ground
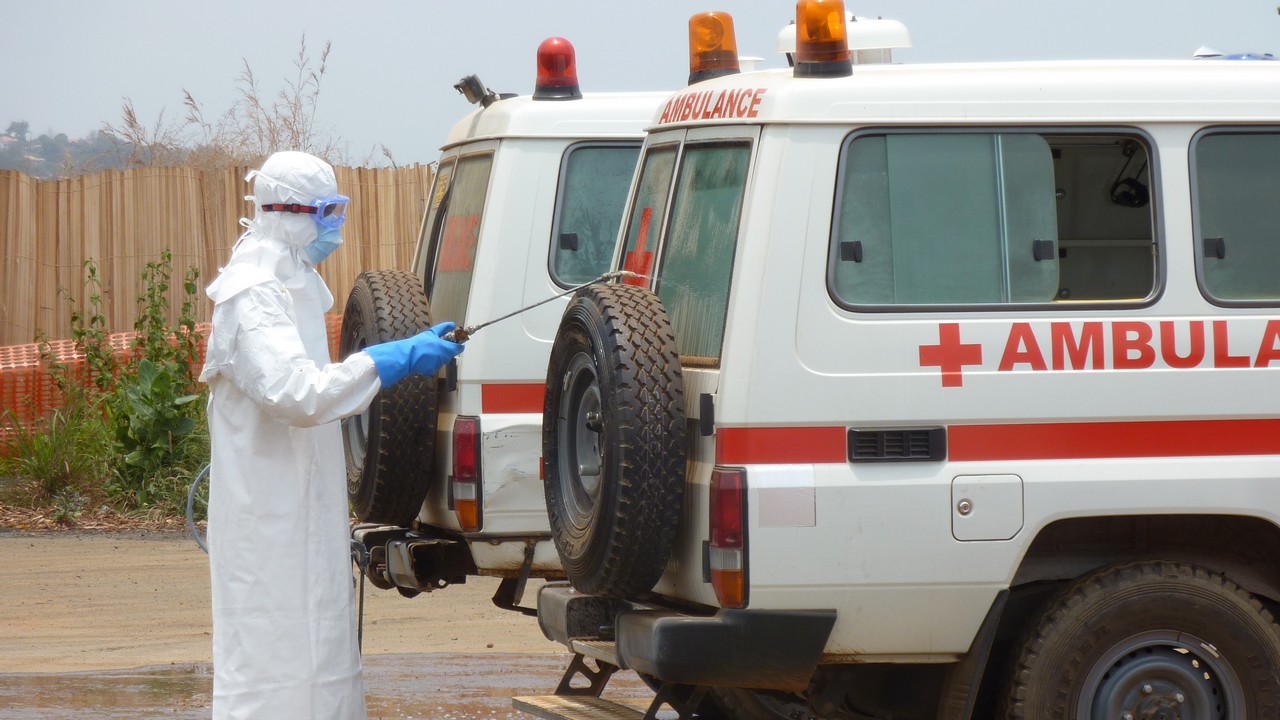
x,y
191,504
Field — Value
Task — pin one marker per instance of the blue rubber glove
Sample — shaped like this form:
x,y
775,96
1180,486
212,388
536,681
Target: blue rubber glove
x,y
424,353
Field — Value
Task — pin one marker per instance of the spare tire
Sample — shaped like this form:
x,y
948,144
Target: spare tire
x,y
390,448
613,440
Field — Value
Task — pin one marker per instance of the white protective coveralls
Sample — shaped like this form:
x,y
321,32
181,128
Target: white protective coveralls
x,y
284,635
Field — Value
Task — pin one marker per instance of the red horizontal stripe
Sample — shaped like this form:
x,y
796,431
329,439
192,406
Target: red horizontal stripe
x,y
780,445
1176,438
1036,441
512,397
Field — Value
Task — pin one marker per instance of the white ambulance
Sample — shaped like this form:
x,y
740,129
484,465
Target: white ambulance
x,y
954,393
526,203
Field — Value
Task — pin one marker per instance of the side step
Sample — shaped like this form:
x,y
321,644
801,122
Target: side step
x,y
575,707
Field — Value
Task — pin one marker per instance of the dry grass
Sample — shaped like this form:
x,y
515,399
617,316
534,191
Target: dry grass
x,y
244,134
28,519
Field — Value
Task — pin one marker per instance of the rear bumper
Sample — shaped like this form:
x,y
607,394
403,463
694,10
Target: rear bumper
x,y
763,649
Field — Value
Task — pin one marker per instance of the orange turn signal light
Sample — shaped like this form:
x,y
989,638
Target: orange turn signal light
x,y
822,39
713,46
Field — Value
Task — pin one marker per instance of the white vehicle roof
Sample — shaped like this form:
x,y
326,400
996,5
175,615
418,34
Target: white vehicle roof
x,y
594,115
969,93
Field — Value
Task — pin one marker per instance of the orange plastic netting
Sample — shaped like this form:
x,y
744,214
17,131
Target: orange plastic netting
x,y
28,391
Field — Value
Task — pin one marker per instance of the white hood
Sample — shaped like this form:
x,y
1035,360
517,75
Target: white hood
x,y
271,247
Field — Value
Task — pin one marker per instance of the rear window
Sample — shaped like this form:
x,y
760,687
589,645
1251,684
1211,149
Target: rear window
x,y
992,219
594,179
457,205
1236,175
701,236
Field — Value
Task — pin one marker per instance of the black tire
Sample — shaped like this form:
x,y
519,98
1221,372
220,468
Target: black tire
x,y
389,448
1154,639
613,437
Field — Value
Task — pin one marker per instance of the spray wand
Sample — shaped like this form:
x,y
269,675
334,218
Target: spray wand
x,y
461,335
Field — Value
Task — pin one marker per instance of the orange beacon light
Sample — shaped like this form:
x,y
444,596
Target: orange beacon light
x,y
713,46
822,40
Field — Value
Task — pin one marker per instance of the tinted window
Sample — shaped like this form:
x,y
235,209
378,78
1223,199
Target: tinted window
x,y
593,190
1237,190
991,218
697,257
457,204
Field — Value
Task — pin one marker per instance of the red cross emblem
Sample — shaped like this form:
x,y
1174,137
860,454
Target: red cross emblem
x,y
950,355
640,261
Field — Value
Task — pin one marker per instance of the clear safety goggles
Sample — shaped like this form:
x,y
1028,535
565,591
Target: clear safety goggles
x,y
328,212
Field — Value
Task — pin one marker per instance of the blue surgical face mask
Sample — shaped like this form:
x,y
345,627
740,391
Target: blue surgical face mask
x,y
328,240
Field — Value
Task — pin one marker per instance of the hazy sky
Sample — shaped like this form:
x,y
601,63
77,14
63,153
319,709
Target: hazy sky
x,y
68,64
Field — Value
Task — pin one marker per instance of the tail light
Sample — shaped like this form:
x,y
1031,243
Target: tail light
x,y
822,40
464,484
727,554
713,46
557,71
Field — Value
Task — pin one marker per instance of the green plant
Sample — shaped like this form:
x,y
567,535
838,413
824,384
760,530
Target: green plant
x,y
89,332
131,424
67,506
154,409
66,452
153,418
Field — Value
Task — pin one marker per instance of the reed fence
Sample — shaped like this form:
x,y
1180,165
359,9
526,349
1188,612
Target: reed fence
x,y
123,220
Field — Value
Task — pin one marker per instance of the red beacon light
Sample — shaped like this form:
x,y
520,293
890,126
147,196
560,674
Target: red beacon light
x,y
557,71
713,46
822,40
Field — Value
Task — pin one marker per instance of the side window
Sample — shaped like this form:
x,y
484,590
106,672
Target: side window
x,y
594,180
697,257
652,190
975,218
1237,193
457,204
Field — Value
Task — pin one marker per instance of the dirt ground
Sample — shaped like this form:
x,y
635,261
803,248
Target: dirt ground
x,y
80,601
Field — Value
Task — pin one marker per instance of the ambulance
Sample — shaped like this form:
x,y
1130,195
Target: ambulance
x,y
526,202
950,391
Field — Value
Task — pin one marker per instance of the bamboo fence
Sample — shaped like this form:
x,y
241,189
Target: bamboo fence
x,y
123,220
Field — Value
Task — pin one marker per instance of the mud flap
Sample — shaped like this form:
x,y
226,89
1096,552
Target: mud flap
x,y
511,590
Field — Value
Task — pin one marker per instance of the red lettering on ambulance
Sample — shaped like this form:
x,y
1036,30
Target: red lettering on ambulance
x,y
1268,350
1022,348
1131,346
1222,357
730,99
756,96
744,103
686,108
718,110
666,111
1066,346
1169,345
700,105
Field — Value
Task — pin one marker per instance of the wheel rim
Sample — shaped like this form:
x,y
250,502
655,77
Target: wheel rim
x,y
581,463
1162,675
356,429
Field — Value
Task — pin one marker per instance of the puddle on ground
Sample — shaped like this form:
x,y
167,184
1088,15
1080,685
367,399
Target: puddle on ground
x,y
397,687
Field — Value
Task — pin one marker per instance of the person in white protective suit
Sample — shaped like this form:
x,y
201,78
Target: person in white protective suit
x,y
284,635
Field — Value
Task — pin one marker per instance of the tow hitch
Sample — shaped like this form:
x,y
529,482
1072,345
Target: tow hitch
x,y
410,562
